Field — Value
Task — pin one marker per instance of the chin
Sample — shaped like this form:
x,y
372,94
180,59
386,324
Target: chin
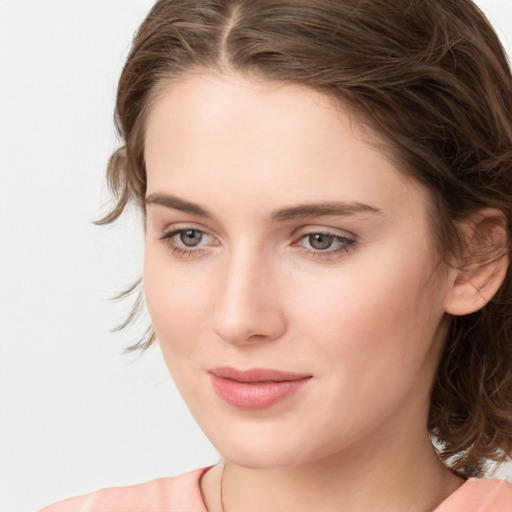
x,y
261,446
250,458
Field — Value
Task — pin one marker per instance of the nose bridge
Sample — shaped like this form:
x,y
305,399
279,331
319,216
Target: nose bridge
x,y
247,308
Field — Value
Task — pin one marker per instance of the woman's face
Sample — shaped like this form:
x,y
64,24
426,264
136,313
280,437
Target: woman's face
x,y
289,273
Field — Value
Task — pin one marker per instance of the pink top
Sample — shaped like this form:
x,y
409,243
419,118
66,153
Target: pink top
x,y
182,494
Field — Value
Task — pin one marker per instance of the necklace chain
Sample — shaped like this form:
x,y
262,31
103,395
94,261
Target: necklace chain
x,y
222,488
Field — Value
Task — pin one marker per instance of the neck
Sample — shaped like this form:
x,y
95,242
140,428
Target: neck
x,y
360,479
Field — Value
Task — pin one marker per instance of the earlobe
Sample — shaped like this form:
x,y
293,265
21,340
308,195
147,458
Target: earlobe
x,y
483,265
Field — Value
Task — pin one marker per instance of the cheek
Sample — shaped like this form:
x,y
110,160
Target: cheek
x,y
177,301
371,316
372,338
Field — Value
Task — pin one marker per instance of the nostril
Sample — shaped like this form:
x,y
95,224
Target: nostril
x,y
249,326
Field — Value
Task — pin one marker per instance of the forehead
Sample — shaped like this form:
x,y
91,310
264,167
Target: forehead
x,y
207,106
215,133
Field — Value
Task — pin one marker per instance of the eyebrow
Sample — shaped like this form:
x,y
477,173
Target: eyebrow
x,y
340,208
176,203
307,210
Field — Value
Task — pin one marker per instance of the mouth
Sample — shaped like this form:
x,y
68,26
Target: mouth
x,y
257,388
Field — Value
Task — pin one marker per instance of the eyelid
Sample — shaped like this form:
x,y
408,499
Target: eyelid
x,y
173,227
184,225
313,229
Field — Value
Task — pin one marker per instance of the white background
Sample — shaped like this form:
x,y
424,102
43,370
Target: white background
x,y
75,413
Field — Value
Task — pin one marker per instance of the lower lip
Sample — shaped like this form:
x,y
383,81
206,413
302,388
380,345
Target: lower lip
x,y
255,395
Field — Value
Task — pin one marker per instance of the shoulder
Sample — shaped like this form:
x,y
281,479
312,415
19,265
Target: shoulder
x,y
480,495
174,494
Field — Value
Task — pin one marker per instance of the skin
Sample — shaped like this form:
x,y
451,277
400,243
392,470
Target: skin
x,y
365,318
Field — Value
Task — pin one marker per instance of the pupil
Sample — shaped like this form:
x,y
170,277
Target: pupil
x,y
320,241
191,237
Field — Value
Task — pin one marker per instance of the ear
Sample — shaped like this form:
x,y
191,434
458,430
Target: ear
x,y
482,264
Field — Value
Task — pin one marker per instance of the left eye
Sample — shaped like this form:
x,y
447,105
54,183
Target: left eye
x,y
319,242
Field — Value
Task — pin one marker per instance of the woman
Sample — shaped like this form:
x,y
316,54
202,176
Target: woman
x,y
327,195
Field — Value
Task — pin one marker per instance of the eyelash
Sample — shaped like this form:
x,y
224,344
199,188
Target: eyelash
x,y
345,244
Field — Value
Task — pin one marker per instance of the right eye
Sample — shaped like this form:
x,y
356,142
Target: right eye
x,y
190,237
187,241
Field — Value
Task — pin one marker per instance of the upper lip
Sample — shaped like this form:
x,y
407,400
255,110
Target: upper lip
x,y
256,374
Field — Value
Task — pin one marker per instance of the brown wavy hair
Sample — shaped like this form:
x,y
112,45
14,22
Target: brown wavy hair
x,y
432,79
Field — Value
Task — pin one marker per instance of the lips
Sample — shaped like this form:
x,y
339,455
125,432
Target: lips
x,y
256,388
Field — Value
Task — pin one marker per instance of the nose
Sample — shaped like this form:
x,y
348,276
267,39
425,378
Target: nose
x,y
248,307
